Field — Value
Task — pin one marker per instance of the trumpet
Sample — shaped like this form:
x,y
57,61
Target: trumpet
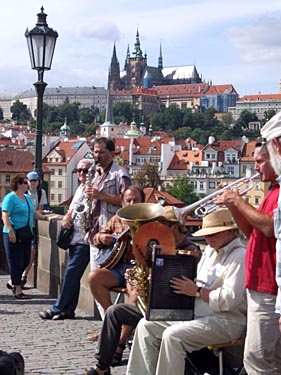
x,y
206,205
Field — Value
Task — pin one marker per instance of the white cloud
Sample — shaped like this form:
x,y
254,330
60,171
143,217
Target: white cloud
x,y
222,38
259,41
98,30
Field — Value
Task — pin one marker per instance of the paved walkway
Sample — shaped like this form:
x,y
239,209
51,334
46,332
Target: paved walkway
x,y
48,347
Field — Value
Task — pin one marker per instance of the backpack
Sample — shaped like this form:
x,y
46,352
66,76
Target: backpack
x,y
11,363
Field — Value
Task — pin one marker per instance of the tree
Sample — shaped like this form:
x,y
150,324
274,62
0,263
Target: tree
x,y
88,115
183,190
124,112
227,119
267,115
20,112
1,113
147,176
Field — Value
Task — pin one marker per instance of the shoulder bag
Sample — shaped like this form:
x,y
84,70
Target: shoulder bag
x,y
24,234
65,236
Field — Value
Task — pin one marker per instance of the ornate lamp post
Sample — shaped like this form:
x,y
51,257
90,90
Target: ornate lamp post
x,y
41,41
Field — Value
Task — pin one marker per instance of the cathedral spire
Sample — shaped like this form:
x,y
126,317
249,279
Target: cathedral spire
x,y
114,71
160,59
137,52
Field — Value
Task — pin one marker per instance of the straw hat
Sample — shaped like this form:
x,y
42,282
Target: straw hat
x,y
171,216
217,221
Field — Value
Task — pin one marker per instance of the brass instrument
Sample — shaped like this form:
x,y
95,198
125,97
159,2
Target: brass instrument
x,y
206,205
147,234
83,207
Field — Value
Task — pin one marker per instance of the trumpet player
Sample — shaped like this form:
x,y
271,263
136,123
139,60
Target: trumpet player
x,y
79,255
271,133
262,353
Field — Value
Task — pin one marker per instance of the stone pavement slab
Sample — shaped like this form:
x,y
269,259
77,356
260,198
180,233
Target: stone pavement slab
x,y
48,347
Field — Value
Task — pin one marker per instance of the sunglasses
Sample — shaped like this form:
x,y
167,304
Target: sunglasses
x,y
24,182
84,170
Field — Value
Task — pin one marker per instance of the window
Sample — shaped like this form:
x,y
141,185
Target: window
x,y
201,185
59,197
52,184
60,172
59,184
257,201
8,178
52,171
244,169
212,185
230,170
52,197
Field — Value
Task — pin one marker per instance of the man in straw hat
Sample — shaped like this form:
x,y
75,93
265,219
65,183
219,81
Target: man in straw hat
x,y
262,353
129,314
271,133
159,348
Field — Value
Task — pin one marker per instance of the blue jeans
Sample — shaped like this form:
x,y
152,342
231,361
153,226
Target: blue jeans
x,y
78,259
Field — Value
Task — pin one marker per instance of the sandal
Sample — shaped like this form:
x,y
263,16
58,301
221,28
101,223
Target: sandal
x,y
20,296
117,358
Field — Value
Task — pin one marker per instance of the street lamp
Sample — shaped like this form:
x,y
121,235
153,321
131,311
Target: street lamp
x,y
41,41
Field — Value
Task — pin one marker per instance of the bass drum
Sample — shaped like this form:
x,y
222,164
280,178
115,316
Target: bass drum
x,y
110,256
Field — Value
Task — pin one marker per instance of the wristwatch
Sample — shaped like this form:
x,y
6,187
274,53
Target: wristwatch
x,y
198,295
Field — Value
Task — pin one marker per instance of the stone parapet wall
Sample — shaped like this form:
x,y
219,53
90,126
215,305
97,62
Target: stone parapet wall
x,y
48,271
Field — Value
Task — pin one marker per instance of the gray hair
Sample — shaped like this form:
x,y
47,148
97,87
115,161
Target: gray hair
x,y
86,161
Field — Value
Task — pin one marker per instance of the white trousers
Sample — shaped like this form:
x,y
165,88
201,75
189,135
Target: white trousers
x,y
262,354
159,348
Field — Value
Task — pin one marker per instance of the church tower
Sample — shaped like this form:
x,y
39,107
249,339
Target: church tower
x,y
135,66
160,59
114,72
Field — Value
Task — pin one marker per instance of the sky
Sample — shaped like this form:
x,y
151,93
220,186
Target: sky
x,y
234,42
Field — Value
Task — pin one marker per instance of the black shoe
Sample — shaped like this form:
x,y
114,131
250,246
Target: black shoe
x,y
11,287
93,371
23,281
47,314
63,316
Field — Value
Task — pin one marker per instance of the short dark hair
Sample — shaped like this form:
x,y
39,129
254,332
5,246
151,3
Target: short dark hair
x,y
18,179
109,143
135,188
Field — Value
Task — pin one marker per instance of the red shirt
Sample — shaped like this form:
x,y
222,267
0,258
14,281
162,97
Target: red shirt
x,y
260,256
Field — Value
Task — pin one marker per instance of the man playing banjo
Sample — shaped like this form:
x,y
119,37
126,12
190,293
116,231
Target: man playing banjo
x,y
114,256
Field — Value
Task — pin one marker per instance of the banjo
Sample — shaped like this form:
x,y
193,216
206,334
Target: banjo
x,y
108,257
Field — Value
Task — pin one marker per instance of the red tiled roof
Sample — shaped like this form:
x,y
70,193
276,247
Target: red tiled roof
x,y
182,159
248,154
152,195
224,145
187,90
258,97
17,161
221,89
65,150
142,146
